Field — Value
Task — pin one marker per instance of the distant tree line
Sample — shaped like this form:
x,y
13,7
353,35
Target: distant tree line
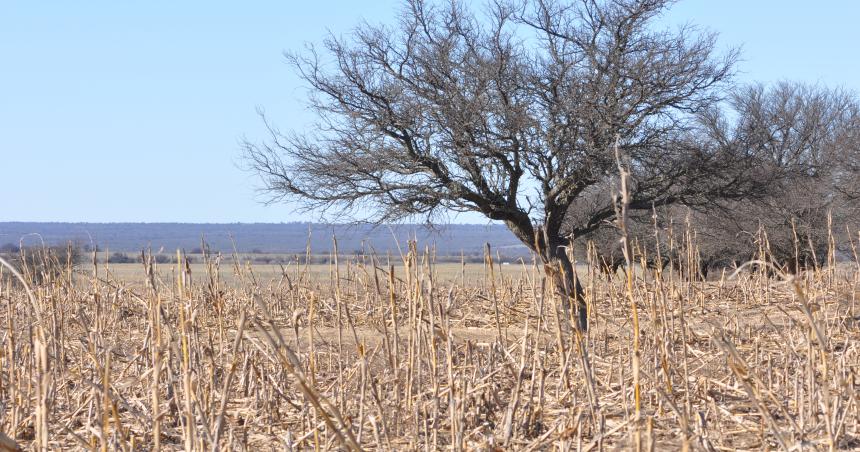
x,y
80,253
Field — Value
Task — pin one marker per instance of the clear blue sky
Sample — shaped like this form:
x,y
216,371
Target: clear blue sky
x,y
133,111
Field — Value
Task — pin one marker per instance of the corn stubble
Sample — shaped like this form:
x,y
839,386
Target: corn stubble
x,y
373,359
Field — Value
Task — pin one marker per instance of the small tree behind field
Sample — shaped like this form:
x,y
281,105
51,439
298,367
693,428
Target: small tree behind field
x,y
807,145
809,135
42,264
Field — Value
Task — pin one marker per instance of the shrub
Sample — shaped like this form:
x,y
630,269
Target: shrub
x,y
121,258
43,264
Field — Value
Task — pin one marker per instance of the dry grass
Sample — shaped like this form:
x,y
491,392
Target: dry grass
x,y
409,359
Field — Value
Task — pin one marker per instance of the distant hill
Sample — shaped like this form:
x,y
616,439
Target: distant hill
x,y
263,237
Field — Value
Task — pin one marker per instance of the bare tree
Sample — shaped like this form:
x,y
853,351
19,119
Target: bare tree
x,y
808,136
512,114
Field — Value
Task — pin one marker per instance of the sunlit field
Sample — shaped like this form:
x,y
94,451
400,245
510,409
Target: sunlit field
x,y
139,357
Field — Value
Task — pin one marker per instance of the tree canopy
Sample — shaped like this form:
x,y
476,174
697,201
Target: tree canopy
x,y
512,113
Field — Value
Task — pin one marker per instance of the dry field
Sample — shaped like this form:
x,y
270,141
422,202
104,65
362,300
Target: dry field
x,y
357,356
131,274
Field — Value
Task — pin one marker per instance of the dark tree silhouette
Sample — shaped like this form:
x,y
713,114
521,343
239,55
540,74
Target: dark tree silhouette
x,y
807,146
512,114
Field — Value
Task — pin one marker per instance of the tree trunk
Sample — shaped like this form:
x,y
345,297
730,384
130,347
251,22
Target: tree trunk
x,y
559,267
552,250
